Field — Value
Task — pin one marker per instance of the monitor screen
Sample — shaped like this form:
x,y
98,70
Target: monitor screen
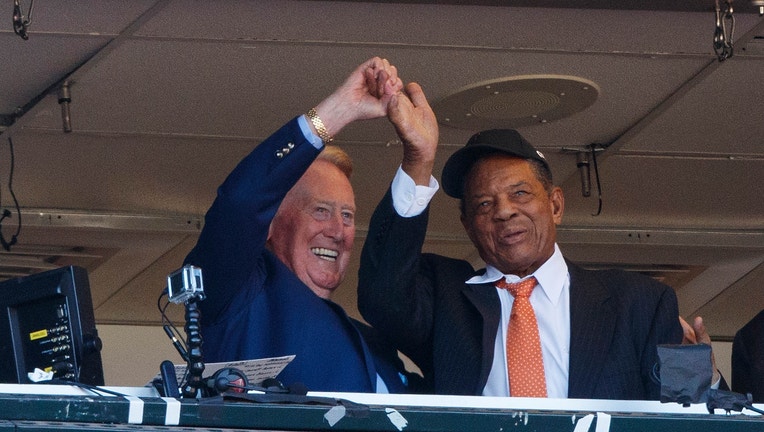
x,y
47,323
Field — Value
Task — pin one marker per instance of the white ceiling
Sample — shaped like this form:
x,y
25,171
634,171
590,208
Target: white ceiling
x,y
167,96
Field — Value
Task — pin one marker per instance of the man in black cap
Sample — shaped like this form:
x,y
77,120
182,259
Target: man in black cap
x,y
598,330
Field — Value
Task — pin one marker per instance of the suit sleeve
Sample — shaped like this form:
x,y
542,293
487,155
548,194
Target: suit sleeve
x,y
393,296
741,377
665,329
748,359
231,244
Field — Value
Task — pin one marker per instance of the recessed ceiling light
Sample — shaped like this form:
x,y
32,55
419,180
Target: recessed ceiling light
x,y
516,101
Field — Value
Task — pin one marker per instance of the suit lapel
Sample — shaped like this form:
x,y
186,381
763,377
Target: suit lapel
x,y
371,371
592,323
486,301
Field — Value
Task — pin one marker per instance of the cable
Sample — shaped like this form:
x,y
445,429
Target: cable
x,y
6,213
179,342
597,176
173,331
95,389
176,342
730,401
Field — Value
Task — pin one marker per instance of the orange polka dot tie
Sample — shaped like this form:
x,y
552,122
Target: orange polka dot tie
x,y
525,364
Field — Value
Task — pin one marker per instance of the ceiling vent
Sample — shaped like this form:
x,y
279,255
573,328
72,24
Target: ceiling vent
x,y
24,260
515,101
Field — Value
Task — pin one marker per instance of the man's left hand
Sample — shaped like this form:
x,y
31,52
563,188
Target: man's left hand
x,y
697,333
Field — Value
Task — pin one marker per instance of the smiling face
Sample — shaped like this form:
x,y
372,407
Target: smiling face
x,y
313,230
509,215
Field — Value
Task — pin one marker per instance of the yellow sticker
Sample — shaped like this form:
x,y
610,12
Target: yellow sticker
x,y
39,334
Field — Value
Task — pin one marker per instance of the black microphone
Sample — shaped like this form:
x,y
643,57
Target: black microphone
x,y
169,379
583,168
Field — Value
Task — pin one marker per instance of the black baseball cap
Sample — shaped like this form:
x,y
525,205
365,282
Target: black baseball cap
x,y
506,141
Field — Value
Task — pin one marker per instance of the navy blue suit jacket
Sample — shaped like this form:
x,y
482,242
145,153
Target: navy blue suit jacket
x,y
420,301
255,306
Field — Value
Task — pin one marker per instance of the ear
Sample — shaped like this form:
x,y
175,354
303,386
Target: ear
x,y
557,203
270,233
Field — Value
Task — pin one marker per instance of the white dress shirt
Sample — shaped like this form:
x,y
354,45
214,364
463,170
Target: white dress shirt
x,y
551,303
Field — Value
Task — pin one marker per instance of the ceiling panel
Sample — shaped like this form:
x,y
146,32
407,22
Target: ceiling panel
x,y
167,96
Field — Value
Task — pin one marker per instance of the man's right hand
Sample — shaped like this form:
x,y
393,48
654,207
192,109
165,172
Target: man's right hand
x,y
417,128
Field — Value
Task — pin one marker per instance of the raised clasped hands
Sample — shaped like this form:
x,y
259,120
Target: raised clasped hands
x,y
365,94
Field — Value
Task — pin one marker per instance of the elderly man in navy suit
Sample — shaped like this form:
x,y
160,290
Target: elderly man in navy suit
x,y
277,242
597,331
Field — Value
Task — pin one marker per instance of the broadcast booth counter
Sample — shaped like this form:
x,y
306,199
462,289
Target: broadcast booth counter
x,y
51,367
59,407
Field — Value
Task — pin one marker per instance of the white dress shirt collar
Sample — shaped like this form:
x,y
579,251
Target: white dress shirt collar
x,y
551,276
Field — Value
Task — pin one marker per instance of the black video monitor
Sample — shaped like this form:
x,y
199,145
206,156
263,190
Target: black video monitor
x,y
47,323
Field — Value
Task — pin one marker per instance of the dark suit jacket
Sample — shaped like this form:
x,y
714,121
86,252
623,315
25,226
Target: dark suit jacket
x,y
420,301
748,359
255,306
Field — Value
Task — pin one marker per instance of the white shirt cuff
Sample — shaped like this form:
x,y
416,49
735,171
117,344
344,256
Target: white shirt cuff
x,y
410,199
715,385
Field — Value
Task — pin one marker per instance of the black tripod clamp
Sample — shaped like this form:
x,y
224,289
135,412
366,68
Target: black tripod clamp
x,y
194,342
185,286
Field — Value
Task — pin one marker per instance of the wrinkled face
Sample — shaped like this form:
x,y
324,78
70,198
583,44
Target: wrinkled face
x,y
313,230
509,216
